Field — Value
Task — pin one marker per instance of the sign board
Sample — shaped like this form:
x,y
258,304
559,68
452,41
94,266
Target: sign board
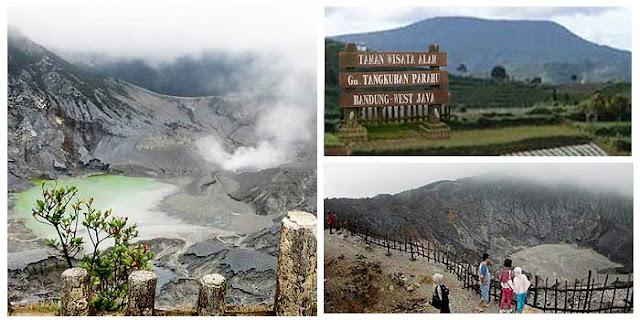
x,y
356,59
392,79
393,98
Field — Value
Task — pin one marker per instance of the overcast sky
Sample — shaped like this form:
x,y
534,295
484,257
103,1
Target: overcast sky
x,y
282,39
604,25
165,32
367,180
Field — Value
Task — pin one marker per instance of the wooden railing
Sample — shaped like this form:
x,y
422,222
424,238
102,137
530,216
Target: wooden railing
x,y
580,296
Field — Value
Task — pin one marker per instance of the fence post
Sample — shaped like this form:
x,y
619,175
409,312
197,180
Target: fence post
x,y
142,293
535,293
297,261
212,295
546,292
587,298
566,295
411,243
604,287
555,297
613,296
74,297
386,241
626,299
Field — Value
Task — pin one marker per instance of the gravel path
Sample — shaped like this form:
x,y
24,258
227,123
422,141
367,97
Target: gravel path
x,y
362,279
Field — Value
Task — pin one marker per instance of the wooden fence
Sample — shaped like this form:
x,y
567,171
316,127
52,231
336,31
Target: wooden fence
x,y
580,296
395,114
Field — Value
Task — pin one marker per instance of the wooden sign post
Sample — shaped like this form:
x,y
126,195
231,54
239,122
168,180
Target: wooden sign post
x,y
422,102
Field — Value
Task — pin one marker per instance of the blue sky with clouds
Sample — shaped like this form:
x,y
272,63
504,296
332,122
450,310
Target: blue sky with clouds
x,y
603,25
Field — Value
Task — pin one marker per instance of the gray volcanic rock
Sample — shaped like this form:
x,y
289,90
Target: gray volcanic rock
x,y
62,118
63,121
276,190
500,215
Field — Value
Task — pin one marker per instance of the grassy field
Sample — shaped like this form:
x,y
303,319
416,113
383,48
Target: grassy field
x,y
405,139
491,117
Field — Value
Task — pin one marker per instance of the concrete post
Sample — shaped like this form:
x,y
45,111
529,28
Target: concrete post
x,y
297,259
212,296
74,297
142,293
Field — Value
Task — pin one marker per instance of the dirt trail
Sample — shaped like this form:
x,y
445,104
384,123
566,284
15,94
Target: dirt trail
x,y
361,279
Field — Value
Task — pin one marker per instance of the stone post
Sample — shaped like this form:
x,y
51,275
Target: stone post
x,y
74,297
297,258
213,295
142,293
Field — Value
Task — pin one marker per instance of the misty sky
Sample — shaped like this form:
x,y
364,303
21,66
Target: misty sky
x,y
282,39
603,25
166,32
367,180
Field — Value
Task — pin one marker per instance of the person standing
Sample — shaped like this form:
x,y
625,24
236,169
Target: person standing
x,y
440,299
521,285
484,281
506,283
330,221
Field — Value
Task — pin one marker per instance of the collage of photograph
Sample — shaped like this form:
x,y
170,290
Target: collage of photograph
x,y
350,159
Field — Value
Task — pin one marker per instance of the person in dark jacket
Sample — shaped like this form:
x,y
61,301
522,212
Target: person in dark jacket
x,y
440,298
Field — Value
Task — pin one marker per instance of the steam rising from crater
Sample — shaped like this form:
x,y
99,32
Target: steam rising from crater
x,y
271,64
284,100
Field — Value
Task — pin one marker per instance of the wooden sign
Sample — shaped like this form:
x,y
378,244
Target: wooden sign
x,y
393,98
391,59
392,79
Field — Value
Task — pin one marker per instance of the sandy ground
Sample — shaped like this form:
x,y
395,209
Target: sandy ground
x,y
567,262
362,279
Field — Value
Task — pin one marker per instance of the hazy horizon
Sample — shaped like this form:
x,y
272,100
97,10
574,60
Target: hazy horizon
x,y
585,22
366,180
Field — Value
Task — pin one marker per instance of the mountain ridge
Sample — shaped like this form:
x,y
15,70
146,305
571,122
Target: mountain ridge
x,y
63,119
527,48
500,215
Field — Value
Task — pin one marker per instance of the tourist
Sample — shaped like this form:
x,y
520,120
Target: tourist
x,y
484,281
440,299
506,283
521,285
330,221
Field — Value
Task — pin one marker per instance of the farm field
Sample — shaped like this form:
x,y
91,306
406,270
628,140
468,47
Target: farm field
x,y
497,117
569,138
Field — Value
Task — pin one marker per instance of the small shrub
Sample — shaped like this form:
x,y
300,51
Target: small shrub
x,y
109,270
622,144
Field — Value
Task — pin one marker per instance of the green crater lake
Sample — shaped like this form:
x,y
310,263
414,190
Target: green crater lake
x,y
133,197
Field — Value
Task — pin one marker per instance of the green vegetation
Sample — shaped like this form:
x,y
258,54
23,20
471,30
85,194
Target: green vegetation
x,y
499,73
483,109
331,140
490,142
61,209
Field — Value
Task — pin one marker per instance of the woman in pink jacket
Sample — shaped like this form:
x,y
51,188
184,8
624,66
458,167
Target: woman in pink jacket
x,y
521,285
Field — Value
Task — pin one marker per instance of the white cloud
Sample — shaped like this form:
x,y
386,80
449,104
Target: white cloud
x,y
357,180
282,81
166,32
